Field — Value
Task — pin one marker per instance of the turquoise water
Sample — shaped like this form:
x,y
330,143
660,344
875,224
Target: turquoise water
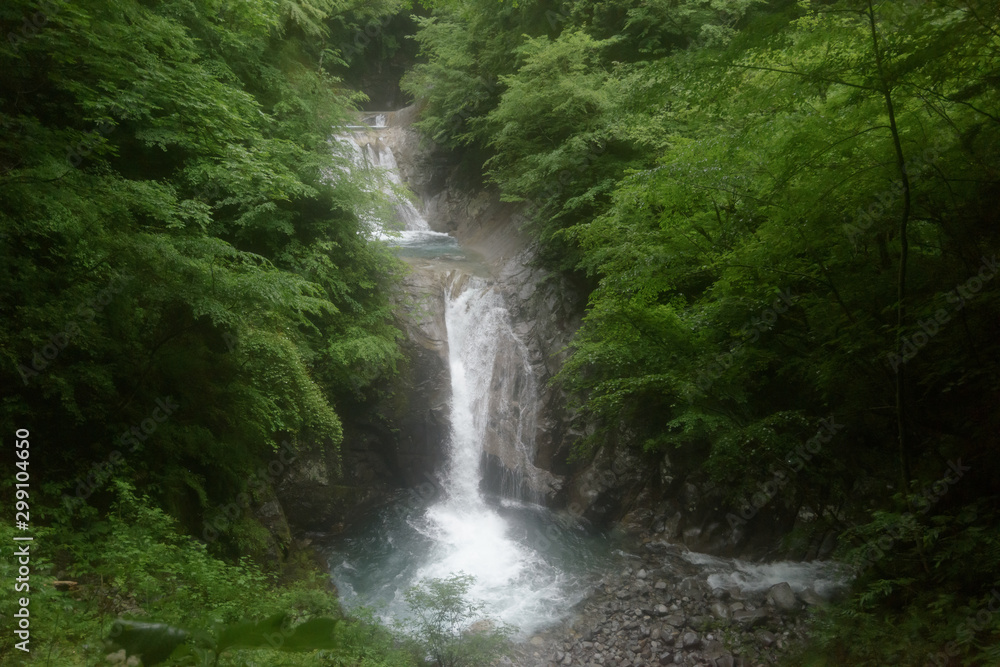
x,y
546,563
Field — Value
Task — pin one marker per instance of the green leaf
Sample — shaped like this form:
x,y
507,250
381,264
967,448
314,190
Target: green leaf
x,y
153,642
251,634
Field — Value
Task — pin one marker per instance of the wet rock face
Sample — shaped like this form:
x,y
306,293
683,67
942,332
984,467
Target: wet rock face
x,y
395,444
420,409
545,309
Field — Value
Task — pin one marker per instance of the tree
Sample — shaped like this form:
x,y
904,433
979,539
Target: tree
x,y
449,627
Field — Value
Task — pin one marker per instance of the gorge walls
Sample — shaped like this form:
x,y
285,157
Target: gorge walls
x,y
400,444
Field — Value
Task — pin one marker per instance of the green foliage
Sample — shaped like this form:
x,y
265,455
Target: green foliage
x,y
553,130
153,643
156,643
468,46
728,177
450,628
945,614
173,229
181,251
134,565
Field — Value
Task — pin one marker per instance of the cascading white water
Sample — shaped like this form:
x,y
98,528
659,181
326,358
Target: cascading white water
x,y
371,155
515,583
380,156
824,577
494,400
476,322
528,565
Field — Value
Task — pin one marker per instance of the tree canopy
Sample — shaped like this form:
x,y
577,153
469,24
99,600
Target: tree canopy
x,y
190,286
786,214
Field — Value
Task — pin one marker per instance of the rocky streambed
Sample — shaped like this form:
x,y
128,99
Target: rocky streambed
x,y
669,606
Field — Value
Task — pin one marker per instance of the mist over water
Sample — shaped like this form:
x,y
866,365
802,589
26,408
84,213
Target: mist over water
x,y
530,566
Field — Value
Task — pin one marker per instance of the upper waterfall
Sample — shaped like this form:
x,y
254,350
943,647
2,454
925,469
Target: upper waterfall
x,y
370,153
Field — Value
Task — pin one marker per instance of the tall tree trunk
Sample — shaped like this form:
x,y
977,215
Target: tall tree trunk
x,y
904,251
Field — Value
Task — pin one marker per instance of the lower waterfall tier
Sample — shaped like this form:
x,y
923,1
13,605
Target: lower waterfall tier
x,y
530,565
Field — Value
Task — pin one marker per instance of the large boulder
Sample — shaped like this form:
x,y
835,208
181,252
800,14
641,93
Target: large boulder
x,y
783,597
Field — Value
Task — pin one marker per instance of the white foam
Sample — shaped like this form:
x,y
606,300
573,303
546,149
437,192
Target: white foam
x,y
822,576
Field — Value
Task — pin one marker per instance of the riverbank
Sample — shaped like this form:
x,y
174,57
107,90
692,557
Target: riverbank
x,y
669,606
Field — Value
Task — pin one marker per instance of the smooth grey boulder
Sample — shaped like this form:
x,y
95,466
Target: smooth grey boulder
x,y
783,597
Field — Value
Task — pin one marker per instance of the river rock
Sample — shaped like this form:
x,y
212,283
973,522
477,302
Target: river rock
x,y
750,618
480,627
120,658
720,610
713,648
675,620
766,638
811,598
626,633
783,597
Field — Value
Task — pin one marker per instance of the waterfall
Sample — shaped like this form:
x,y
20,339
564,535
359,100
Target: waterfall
x,y
529,566
379,156
492,395
493,388
370,154
476,323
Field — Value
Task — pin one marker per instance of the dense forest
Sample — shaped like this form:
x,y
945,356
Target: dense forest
x,y
785,215
191,294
